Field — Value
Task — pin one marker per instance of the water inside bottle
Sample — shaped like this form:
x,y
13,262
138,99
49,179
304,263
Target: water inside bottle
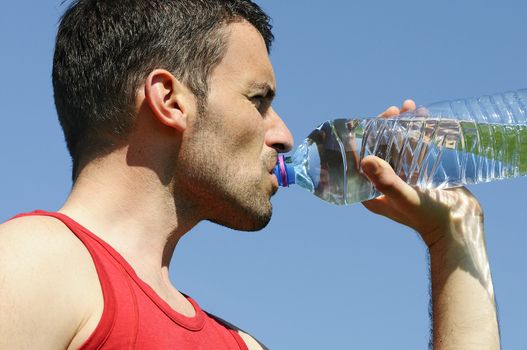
x,y
425,152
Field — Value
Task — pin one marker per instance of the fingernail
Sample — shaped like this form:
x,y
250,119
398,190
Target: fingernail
x,y
369,167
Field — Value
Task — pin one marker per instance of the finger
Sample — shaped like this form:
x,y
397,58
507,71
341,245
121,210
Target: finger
x,y
380,205
408,106
383,206
388,183
390,112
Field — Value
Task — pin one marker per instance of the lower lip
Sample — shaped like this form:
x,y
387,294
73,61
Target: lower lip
x,y
274,180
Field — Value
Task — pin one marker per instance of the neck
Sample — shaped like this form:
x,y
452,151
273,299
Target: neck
x,y
131,209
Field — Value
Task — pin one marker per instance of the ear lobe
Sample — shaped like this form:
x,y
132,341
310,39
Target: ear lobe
x,y
168,99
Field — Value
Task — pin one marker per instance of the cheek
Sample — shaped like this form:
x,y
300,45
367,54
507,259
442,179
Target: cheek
x,y
251,140
246,133
239,126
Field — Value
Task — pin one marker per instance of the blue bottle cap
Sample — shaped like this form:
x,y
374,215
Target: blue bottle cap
x,y
284,172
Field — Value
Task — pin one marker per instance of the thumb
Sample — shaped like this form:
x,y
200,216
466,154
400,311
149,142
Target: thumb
x,y
388,183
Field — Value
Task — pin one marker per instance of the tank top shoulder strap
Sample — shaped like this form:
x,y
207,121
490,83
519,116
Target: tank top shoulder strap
x,y
107,262
96,251
86,237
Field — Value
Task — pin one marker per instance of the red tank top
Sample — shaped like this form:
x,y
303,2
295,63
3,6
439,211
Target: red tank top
x,y
134,316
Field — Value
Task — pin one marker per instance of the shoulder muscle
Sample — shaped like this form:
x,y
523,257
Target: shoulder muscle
x,y
36,289
251,342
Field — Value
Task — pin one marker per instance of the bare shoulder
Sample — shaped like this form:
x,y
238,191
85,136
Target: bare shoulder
x,y
250,341
44,271
38,240
35,226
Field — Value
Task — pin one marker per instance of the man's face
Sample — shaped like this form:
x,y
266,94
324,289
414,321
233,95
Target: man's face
x,y
231,148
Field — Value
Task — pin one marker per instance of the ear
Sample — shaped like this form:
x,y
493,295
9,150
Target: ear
x,y
170,101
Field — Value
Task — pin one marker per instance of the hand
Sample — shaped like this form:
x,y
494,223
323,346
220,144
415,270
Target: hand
x,y
451,224
408,106
437,215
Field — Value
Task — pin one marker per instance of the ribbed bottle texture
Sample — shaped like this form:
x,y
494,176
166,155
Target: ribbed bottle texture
x,y
445,144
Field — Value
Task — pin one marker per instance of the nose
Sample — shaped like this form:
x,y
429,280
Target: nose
x,y
278,135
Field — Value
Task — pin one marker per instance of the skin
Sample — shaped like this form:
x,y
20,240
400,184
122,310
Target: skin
x,y
450,222
175,170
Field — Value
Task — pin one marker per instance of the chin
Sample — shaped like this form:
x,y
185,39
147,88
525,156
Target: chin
x,y
246,219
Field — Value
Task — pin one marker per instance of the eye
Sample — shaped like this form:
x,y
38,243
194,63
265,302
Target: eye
x,y
257,100
260,102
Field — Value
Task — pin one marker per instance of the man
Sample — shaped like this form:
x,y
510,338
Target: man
x,y
166,110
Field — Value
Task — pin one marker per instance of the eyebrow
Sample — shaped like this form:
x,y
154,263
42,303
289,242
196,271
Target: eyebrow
x,y
266,88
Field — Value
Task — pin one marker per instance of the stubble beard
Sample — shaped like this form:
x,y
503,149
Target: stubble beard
x,y
225,194
231,199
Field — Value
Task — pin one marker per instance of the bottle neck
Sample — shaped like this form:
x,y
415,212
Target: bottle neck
x,y
284,172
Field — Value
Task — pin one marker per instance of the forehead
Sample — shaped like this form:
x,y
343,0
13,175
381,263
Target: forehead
x,y
246,60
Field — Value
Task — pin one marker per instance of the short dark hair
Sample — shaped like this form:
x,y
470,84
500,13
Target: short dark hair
x,y
106,48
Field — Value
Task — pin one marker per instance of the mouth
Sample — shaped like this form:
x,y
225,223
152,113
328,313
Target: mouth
x,y
272,164
274,185
270,168
274,181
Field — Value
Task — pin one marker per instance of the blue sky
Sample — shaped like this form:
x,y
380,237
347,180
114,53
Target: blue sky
x,y
319,276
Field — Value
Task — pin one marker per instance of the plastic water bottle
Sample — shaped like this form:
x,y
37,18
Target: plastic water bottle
x,y
442,145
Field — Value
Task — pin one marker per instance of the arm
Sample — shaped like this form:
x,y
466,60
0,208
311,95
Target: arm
x,y
39,308
451,224
464,310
